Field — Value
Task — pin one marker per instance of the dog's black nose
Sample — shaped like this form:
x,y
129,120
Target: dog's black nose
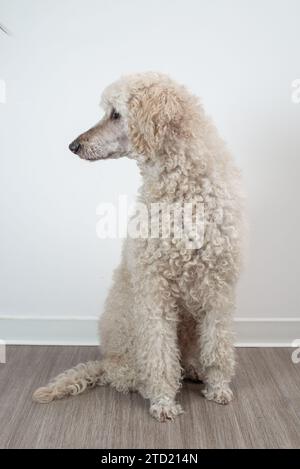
x,y
75,146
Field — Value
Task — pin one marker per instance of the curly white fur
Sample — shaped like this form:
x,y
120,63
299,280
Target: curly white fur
x,y
168,313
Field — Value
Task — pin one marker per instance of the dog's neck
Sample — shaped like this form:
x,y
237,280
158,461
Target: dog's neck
x,y
163,182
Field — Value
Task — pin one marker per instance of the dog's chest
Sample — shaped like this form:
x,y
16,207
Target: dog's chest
x,y
172,260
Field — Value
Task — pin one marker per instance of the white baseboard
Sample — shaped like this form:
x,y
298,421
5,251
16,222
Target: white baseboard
x,y
266,332
49,330
250,332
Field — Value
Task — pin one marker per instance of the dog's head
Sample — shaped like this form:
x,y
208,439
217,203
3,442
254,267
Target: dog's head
x,y
144,114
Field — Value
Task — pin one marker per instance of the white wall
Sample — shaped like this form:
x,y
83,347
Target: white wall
x,y
239,56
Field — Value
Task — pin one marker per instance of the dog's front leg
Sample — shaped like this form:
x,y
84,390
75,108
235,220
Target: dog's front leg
x,y
157,351
217,356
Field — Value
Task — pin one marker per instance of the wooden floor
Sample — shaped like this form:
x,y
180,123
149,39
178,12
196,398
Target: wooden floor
x,y
264,414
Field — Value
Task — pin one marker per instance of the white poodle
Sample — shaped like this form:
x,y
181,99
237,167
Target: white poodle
x,y
168,315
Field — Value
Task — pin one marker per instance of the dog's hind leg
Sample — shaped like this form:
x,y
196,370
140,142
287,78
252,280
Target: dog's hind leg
x,y
116,336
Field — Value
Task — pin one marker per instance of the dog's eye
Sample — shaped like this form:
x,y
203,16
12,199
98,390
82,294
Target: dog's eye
x,y
115,115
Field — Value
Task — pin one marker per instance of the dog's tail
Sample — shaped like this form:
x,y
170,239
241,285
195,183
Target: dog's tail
x,y
85,376
71,382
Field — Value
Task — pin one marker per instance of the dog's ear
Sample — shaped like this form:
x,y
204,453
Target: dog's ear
x,y
155,117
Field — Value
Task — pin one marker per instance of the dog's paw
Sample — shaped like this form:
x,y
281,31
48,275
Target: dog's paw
x,y
164,411
221,395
